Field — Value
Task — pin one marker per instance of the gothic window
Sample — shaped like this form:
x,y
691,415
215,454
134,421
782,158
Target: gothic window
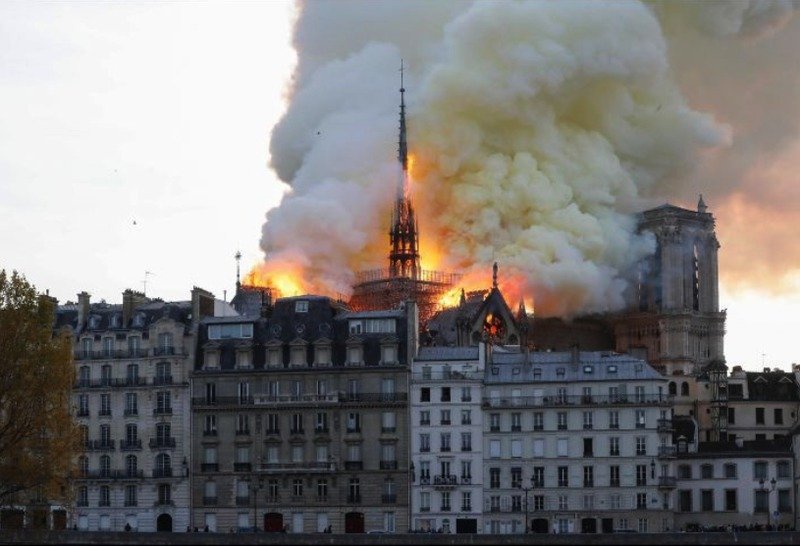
x,y
695,277
494,327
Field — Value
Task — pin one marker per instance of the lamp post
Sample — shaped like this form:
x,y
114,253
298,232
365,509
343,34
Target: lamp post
x,y
526,489
763,487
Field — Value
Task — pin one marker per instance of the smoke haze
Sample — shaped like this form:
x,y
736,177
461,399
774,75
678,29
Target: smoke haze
x,y
536,129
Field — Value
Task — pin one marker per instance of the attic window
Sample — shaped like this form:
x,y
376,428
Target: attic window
x,y
138,320
588,369
612,369
515,371
560,372
495,370
537,373
301,306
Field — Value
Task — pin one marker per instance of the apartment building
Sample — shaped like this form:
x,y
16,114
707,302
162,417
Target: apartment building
x,y
447,439
300,418
575,442
131,398
745,482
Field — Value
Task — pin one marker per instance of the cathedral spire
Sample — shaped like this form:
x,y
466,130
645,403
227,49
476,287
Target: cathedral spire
x,y
701,205
403,237
238,257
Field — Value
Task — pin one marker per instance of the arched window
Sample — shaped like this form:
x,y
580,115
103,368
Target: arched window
x,y
673,388
684,389
163,466
131,465
105,466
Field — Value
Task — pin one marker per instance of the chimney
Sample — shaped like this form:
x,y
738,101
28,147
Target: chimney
x,y
575,354
83,309
131,299
202,304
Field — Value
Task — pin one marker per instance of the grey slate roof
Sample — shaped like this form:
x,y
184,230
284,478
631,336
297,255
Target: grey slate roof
x,y
503,366
446,353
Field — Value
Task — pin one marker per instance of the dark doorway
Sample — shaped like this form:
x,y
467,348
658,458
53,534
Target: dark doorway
x,y
354,522
59,520
38,518
588,525
466,525
607,524
273,522
540,525
12,519
164,523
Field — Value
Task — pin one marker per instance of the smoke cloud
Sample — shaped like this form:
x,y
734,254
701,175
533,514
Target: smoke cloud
x,y
537,129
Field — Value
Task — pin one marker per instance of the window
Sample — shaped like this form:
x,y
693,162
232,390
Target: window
x,y
538,447
389,523
784,469
588,420
445,397
494,448
640,419
588,448
444,417
730,500
210,425
163,402
425,470
425,418
466,394
445,441
242,424
760,470
641,474
707,500
424,442
784,500
130,495
131,435
613,419
761,501
321,423
516,448
707,471
538,476
563,476
641,445
131,404
613,480
494,478
297,424
105,496
466,470
466,417
105,404
516,503
538,420
730,470
322,488
273,489
494,422
83,496
759,416
210,491
353,422
301,306
164,494
562,447
562,420
685,500
354,488
466,441
425,394
778,416
731,416
641,525
425,501
639,394
105,375
297,487
516,422
466,501
83,405
685,472
613,446
388,422
105,435
445,501
588,476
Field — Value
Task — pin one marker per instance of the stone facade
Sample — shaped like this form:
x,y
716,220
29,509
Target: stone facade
x,y
300,419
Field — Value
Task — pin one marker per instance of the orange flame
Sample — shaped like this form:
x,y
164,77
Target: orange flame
x,y
284,279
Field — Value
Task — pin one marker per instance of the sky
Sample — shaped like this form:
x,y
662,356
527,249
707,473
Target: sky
x,y
134,138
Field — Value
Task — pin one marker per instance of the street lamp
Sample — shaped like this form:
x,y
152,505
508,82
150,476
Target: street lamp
x,y
526,489
763,487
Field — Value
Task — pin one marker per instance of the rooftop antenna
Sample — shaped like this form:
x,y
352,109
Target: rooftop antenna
x,y
144,282
238,257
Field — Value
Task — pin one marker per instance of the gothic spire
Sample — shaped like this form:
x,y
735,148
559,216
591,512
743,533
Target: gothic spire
x,y
494,276
402,148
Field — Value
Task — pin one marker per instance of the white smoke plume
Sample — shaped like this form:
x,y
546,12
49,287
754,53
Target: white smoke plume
x,y
537,129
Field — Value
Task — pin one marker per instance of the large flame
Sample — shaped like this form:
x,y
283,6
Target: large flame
x,y
283,278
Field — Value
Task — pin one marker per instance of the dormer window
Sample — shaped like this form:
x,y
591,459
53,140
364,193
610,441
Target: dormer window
x,y
612,369
138,320
301,306
389,354
212,360
115,320
537,373
588,369
560,372
274,357
355,326
322,355
244,358
298,356
354,355
94,322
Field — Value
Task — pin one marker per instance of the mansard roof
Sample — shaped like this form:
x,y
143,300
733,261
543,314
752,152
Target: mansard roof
x,y
429,354
567,366
772,385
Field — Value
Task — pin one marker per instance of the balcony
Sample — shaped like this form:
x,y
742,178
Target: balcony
x,y
297,431
100,445
466,480
667,452
665,425
314,466
425,480
242,467
104,412
389,499
162,411
111,475
321,430
388,465
273,432
354,499
654,399
163,502
388,430
165,472
667,482
210,432
243,432
130,445
210,501
296,399
164,351
445,508
129,412
162,443
82,413
354,465
223,401
445,481
162,380
209,467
